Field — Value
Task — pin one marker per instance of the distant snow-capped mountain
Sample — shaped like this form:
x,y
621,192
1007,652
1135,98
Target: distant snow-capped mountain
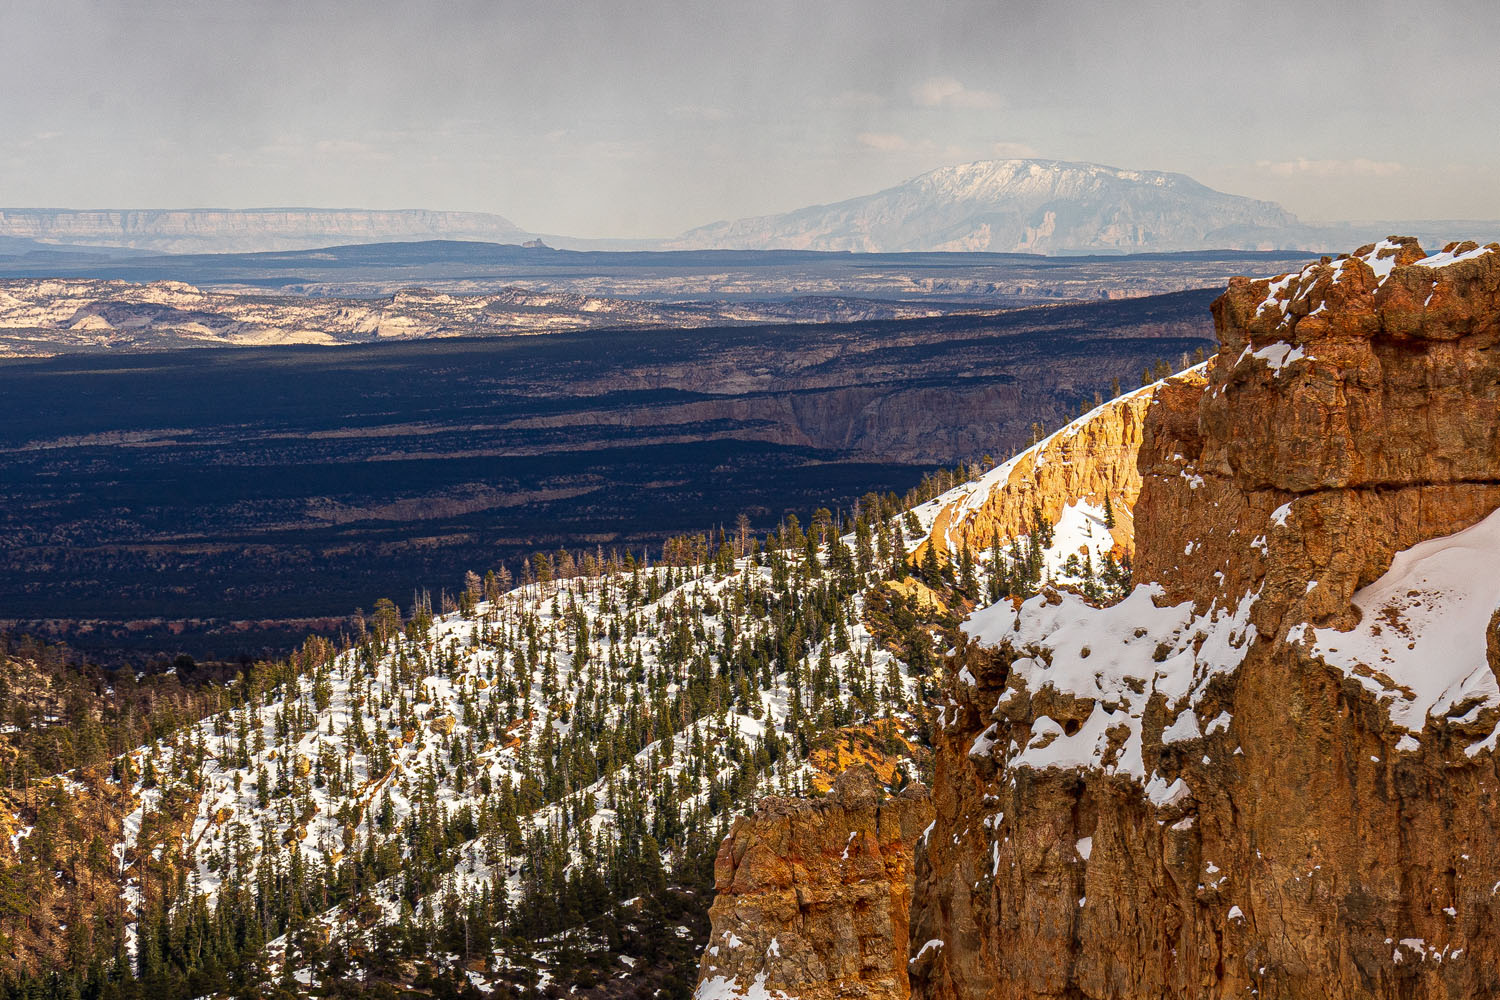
x,y
1036,206
1022,206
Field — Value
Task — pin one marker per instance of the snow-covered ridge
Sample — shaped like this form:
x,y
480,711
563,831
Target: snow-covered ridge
x,y
388,742
1288,291
991,179
1456,256
964,500
1082,523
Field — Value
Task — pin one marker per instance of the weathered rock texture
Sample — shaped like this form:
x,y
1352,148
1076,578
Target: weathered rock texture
x,y
1371,403
1301,844
813,895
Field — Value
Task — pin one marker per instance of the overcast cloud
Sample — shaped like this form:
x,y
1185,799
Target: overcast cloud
x,y
646,118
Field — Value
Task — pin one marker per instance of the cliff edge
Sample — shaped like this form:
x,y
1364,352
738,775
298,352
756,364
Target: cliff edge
x,y
1270,770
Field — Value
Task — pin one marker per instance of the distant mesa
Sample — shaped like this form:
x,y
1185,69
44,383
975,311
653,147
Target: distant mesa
x,y
536,244
250,230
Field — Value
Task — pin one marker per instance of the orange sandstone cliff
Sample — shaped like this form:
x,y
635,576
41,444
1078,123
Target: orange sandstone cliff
x,y
1271,770
813,895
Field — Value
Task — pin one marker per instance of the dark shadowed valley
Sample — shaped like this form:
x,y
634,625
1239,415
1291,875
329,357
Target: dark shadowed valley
x,y
223,502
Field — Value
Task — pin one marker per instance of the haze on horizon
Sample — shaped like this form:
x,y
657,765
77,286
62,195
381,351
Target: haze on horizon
x,y
595,119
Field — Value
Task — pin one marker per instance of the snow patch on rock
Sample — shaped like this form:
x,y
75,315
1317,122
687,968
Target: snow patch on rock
x,y
1420,644
1117,657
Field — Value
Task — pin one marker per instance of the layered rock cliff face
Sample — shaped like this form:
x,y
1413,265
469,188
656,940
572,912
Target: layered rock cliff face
x,y
813,896
1271,770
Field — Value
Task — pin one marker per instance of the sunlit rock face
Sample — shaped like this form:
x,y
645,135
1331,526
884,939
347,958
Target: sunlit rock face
x,y
1271,770
813,896
1090,464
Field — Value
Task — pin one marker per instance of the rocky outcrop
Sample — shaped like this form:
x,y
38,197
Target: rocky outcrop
x,y
1270,771
1363,389
1092,460
813,895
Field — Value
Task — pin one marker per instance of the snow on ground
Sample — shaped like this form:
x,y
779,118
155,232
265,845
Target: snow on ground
x,y
1420,644
348,754
1080,530
968,498
723,988
1420,647
1381,260
1081,526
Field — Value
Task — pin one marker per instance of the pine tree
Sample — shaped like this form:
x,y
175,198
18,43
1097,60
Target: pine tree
x,y
931,572
968,584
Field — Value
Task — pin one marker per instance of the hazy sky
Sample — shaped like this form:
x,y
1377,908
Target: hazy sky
x,y
646,117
